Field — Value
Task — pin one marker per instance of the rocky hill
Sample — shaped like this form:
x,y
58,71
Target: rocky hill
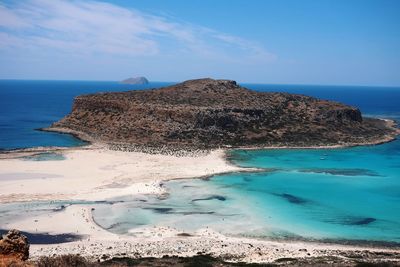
x,y
207,113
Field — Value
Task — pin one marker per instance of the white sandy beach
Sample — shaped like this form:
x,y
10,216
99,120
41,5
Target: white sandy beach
x,y
159,241
98,174
94,173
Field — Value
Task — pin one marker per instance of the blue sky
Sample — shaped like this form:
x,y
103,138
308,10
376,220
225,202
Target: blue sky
x,y
351,42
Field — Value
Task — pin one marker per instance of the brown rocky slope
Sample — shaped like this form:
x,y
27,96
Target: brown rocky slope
x,y
207,113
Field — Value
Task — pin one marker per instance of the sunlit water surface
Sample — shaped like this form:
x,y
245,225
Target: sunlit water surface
x,y
341,194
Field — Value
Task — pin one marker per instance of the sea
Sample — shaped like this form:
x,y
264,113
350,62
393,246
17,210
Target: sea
x,y
332,195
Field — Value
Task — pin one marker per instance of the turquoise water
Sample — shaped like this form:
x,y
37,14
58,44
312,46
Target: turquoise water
x,y
46,156
341,194
336,194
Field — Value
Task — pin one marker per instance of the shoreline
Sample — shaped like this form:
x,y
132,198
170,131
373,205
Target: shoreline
x,y
385,139
111,173
108,173
97,243
93,143
79,135
389,123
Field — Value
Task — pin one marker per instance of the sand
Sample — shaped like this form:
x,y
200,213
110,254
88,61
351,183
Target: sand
x,y
96,173
99,244
99,173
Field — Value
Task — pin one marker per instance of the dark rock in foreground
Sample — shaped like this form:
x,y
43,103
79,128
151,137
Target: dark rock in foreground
x,y
13,247
209,113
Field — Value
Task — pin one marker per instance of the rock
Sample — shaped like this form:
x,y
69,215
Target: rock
x,y
137,80
207,113
14,245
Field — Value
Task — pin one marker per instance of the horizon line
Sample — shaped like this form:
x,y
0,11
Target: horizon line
x,y
239,82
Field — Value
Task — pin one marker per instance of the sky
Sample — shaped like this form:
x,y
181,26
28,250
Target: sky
x,y
332,42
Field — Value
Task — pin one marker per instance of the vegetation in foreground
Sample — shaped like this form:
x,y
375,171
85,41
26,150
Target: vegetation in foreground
x,y
195,261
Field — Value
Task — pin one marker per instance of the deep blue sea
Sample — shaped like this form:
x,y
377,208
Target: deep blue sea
x,y
28,105
340,194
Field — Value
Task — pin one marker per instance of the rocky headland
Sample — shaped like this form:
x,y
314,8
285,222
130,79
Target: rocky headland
x,y
190,116
207,113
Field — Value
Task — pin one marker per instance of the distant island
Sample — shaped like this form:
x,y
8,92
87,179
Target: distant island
x,y
136,80
207,113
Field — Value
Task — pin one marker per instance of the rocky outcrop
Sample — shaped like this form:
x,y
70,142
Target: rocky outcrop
x,y
137,80
207,113
14,246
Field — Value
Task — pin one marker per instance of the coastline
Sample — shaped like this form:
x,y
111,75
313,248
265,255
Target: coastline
x,y
389,123
80,135
96,243
109,175
99,244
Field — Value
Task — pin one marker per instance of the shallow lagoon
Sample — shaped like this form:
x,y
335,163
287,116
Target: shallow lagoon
x,y
341,194
46,156
335,194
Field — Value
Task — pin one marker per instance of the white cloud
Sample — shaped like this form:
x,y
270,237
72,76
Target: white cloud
x,y
9,19
90,27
